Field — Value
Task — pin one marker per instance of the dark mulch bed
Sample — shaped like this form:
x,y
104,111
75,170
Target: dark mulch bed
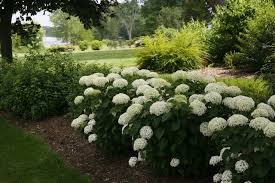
x,y
76,151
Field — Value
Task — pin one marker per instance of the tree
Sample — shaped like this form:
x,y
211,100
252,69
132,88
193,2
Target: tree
x,y
128,12
171,17
88,11
69,28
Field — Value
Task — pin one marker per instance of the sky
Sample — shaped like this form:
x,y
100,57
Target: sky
x,y
41,18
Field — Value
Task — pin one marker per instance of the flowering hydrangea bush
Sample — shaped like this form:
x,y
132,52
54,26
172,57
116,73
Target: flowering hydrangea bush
x,y
248,144
168,123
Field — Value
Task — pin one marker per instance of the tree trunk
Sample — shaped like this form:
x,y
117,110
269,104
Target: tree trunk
x,y
5,34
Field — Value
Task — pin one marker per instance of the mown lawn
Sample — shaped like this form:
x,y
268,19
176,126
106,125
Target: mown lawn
x,y
105,54
24,158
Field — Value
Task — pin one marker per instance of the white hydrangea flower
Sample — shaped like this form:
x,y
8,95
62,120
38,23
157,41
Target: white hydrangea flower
x,y
120,83
139,82
247,182
82,80
152,75
233,91
158,82
214,160
80,121
241,166
92,122
213,97
91,92
205,130
124,118
174,162
215,87
271,101
143,72
140,144
160,107
113,76
134,109
151,93
100,82
198,107
92,138
92,116
243,103
196,76
146,132
116,70
88,129
259,123
182,88
227,175
217,178
194,97
140,100
260,113
217,124
229,102
269,130
120,99
98,74
78,100
179,75
237,120
133,161
130,71
142,88
267,107
179,99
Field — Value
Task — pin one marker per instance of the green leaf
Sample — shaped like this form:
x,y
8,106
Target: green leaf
x,y
159,133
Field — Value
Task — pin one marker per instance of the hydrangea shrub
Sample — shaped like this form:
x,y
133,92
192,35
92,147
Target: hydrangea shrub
x,y
168,124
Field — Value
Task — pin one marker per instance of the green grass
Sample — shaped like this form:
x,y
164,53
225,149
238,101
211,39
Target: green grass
x,y
258,89
114,62
24,158
107,54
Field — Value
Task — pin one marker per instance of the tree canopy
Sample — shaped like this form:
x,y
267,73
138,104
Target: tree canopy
x,y
88,11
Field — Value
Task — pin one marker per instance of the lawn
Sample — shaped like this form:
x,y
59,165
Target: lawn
x,y
26,159
125,57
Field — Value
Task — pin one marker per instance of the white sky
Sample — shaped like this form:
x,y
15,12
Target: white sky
x,y
40,18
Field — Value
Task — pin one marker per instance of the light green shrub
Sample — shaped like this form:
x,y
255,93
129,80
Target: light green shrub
x,y
83,45
169,51
96,45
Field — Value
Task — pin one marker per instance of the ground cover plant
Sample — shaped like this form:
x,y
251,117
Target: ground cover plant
x,y
25,158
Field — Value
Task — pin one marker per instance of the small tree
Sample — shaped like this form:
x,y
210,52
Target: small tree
x,y
88,11
128,12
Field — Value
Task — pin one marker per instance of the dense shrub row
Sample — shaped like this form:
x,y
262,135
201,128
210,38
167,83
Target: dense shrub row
x,y
168,124
240,35
38,85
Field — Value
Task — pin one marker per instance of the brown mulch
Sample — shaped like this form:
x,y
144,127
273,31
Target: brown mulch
x,y
77,152
228,73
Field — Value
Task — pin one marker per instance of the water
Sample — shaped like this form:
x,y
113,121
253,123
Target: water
x,y
53,41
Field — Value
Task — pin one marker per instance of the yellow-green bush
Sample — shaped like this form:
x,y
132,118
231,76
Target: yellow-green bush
x,y
169,51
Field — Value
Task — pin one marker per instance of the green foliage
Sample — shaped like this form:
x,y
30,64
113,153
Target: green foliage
x,y
96,45
31,160
83,45
228,23
258,89
37,86
70,28
256,43
111,43
169,51
61,48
